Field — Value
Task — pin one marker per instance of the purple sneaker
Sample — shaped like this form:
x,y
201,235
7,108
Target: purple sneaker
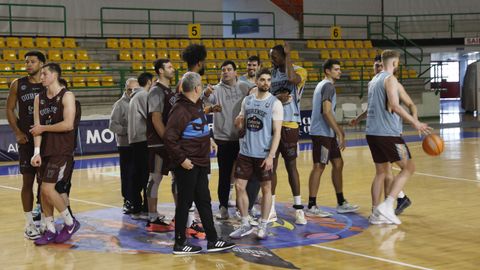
x,y
47,238
67,231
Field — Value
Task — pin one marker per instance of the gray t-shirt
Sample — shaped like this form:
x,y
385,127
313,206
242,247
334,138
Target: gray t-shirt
x,y
319,126
243,78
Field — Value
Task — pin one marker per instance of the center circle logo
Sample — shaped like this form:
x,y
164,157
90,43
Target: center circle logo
x,y
254,123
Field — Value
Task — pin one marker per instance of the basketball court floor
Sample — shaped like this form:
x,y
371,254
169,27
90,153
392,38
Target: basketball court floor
x,y
439,230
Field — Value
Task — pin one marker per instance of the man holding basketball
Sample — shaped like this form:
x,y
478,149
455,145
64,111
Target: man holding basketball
x,y
384,132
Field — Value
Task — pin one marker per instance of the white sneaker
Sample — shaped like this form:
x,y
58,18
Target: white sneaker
x,y
262,232
222,213
347,208
43,227
242,231
255,212
387,212
31,232
300,217
252,221
317,212
375,219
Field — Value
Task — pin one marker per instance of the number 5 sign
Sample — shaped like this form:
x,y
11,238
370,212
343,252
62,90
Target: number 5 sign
x,y
194,30
336,32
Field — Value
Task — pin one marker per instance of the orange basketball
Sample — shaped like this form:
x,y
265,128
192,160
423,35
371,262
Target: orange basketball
x,y
433,145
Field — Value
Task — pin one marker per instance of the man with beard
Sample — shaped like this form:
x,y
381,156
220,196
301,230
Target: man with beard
x,y
253,64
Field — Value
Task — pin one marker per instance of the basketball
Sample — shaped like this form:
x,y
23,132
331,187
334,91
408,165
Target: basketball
x,y
433,145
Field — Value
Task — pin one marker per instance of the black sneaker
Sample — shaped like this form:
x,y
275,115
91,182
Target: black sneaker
x,y
183,249
127,208
219,245
402,204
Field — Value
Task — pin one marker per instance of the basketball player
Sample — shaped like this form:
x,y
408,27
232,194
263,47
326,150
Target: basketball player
x,y
160,100
23,92
54,137
253,64
285,75
384,132
187,139
328,141
261,117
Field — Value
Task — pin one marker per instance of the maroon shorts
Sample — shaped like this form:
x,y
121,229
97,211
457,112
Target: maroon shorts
x,y
325,149
158,160
249,166
388,149
25,153
288,143
55,168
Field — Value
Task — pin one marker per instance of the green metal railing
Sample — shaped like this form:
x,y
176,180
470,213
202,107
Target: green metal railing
x,y
11,18
193,18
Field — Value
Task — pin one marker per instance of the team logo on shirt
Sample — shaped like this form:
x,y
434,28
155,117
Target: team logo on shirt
x,y
254,123
23,87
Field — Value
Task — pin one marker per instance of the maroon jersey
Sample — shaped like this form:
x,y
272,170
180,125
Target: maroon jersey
x,y
26,92
160,99
51,112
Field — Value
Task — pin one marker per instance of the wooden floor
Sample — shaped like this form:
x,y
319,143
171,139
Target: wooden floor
x,y
439,231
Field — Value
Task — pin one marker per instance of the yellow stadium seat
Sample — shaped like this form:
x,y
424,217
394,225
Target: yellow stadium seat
x,y
19,67
267,64
294,55
311,44
93,81
324,54
56,43
321,44
239,43
94,68
162,43
270,43
125,43
242,55
66,68
349,64
210,55
41,42
345,54
2,42
82,55
21,54
229,43
184,43
367,44
81,67
27,42
136,67
218,43
150,55
4,83
331,44
364,54
368,63
149,66
13,42
349,44
242,65
173,43
249,43
54,55
280,42
358,44
263,55
149,43
372,54
107,81
162,54
340,44
260,43
112,43
204,80
208,43
125,56
69,43
175,55
313,76
211,65
359,63
355,75
412,73
5,67
177,65
137,43
137,55
68,55
232,55
220,55
335,54
212,79
78,82
307,64
354,54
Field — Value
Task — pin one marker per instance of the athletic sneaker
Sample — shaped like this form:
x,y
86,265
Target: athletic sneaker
x,y
254,212
317,212
242,231
139,215
262,232
31,232
196,231
37,212
158,225
219,245
378,220
47,238
183,249
272,217
345,207
402,204
387,212
222,213
252,221
67,231
300,217
127,207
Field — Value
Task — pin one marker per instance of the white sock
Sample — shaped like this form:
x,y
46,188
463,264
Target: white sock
x,y
191,216
401,195
297,200
389,201
152,216
67,218
28,218
50,224
245,221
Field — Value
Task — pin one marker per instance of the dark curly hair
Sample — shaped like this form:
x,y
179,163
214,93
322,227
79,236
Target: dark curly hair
x,y
193,54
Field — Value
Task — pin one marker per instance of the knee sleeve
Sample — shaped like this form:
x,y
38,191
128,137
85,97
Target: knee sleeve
x,y
153,184
63,186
